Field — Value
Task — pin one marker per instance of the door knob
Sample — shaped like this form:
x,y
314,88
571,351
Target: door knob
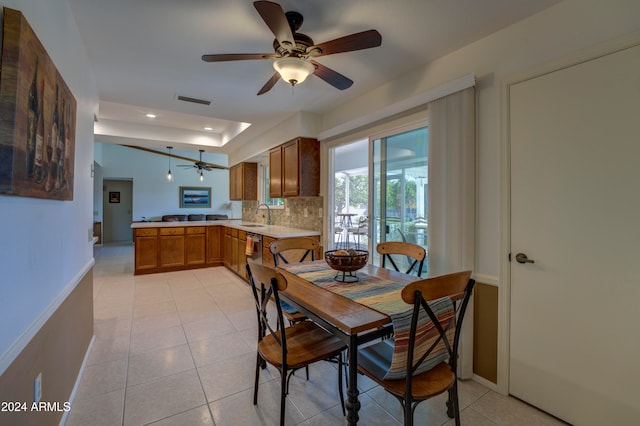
x,y
522,258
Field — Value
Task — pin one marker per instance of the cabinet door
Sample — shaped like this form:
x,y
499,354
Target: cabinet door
x,y
242,257
196,244
215,244
235,182
172,247
267,257
290,169
275,173
171,250
228,251
146,253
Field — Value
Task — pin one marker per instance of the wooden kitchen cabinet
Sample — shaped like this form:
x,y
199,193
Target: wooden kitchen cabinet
x,y
275,172
243,181
267,257
241,248
146,249
294,169
230,248
172,247
196,243
215,245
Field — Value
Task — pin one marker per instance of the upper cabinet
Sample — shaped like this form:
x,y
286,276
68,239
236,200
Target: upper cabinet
x,y
294,169
243,181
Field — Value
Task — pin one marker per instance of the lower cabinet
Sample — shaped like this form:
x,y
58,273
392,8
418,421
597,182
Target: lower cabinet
x,y
267,257
215,245
172,247
177,247
241,248
196,245
146,249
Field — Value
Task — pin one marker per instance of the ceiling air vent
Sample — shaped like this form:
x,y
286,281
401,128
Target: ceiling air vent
x,y
193,100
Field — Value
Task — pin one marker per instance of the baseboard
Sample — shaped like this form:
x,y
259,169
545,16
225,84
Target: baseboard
x,y
63,420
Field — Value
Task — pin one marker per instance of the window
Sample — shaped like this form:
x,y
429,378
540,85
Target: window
x,y
263,192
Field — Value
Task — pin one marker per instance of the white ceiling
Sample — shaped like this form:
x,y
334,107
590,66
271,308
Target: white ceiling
x,y
147,52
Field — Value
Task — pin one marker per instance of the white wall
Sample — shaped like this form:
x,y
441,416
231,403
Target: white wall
x,y
153,196
45,247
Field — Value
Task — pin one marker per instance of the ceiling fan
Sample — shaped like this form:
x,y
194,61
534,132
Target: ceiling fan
x,y
294,51
198,165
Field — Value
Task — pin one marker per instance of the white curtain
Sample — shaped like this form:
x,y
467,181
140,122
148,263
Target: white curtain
x,y
451,208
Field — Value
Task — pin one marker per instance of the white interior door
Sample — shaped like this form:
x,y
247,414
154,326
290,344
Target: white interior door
x,y
575,211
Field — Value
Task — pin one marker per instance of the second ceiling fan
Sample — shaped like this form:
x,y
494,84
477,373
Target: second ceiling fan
x,y
295,52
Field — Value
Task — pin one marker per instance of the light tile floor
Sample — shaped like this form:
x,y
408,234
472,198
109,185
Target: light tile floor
x,y
179,349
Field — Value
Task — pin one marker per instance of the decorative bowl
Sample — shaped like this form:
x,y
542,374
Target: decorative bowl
x,y
346,261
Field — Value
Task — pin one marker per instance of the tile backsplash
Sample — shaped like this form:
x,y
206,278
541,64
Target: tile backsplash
x,y
298,212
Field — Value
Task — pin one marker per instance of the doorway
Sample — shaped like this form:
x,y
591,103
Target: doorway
x,y
400,189
574,345
117,201
350,202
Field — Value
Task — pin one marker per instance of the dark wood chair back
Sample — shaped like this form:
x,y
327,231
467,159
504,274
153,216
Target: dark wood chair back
x,y
300,248
415,253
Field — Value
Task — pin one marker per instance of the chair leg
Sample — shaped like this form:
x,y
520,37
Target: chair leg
x,y
255,385
453,407
408,412
340,390
283,394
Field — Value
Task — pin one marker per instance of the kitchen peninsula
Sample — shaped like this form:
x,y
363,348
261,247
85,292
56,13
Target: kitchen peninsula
x,y
174,246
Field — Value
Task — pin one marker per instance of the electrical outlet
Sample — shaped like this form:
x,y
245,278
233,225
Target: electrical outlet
x,y
320,212
37,388
306,212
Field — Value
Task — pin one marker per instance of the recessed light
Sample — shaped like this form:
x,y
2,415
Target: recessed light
x,y
151,115
208,129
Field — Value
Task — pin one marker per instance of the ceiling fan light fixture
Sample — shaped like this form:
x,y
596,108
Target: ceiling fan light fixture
x,y
293,70
201,176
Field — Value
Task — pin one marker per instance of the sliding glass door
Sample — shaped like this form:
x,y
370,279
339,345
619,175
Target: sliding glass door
x,y
399,188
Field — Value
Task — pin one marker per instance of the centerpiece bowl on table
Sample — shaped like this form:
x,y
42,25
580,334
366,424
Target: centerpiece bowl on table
x,y
346,261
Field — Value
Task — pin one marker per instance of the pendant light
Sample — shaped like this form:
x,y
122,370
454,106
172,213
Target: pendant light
x,y
169,175
201,176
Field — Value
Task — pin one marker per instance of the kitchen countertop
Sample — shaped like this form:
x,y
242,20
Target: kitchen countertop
x,y
274,231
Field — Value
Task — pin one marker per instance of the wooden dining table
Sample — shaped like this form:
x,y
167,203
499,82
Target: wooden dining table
x,y
350,321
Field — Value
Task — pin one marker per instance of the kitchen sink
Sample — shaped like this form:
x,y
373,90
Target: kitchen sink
x,y
252,226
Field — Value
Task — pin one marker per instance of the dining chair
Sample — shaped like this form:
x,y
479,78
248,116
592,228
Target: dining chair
x,y
294,250
419,386
362,229
287,348
415,254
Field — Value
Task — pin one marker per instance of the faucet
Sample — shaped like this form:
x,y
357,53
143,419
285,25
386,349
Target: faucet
x,y
268,212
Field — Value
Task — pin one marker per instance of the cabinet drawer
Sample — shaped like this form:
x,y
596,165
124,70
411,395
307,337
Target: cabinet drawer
x,y
144,232
172,231
195,230
242,235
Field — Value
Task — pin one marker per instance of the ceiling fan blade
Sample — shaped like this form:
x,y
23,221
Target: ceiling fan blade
x,y
273,15
332,77
223,57
269,84
358,41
